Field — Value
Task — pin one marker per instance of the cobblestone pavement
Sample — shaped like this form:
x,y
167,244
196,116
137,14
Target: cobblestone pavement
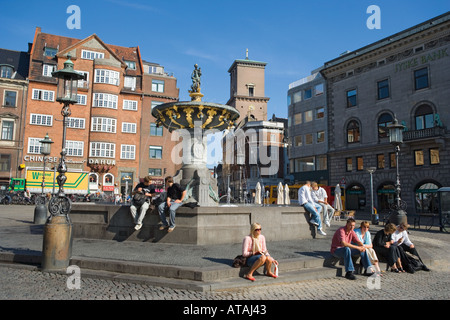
x,y
27,283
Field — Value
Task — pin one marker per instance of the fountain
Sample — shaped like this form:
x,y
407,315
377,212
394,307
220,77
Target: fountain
x,y
193,120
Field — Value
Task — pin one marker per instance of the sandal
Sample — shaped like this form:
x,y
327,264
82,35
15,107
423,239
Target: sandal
x,y
401,270
249,278
272,275
395,270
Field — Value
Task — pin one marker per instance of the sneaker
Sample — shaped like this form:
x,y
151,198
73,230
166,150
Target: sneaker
x,y
350,276
162,227
138,226
320,231
327,223
170,229
313,222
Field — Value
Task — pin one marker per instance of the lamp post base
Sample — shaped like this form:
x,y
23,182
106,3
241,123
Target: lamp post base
x,y
57,245
40,214
398,217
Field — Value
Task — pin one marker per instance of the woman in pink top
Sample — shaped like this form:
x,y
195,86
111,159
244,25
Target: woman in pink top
x,y
255,250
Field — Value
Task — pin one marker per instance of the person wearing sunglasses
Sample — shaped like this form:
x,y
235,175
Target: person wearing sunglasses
x,y
255,250
364,236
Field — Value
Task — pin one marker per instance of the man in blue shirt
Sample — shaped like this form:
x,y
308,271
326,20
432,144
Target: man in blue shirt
x,y
306,201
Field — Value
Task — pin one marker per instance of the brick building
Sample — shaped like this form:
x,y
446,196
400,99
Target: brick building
x,y
108,129
13,98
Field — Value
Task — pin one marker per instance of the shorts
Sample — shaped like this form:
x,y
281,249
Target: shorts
x,y
252,259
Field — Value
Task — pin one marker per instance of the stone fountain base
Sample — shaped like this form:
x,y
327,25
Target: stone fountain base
x,y
199,225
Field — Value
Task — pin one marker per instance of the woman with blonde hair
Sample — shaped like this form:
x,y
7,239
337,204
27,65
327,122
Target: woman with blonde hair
x,y
255,250
364,236
383,245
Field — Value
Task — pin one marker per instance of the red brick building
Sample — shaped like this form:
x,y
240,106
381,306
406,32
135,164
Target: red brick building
x,y
108,131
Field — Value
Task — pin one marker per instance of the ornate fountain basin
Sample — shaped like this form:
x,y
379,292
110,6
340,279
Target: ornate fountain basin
x,y
187,114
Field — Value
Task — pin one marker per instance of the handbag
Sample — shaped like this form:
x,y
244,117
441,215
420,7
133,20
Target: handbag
x,y
239,261
139,199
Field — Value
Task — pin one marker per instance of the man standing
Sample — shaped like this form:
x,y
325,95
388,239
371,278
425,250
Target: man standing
x,y
320,196
146,192
342,247
175,198
306,201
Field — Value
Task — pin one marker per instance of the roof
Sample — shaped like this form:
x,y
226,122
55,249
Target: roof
x,y
19,60
248,62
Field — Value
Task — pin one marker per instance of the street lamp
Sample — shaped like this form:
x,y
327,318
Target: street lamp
x,y
57,246
371,170
40,211
396,139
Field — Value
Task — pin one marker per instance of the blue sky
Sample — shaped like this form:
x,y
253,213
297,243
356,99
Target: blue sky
x,y
292,36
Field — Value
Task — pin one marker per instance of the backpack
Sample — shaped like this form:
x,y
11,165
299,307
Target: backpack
x,y
239,261
411,263
139,199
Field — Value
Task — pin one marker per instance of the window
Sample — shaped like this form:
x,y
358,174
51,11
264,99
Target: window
x,y
320,136
308,138
353,133
392,160
321,162
359,164
131,64
102,149
380,161
107,76
7,129
130,105
320,113
424,117
10,99
128,127
5,162
156,103
308,116
318,89
383,89
418,157
297,97
298,118
348,164
6,72
83,83
34,146
105,100
307,94
155,152
383,122
130,82
103,124
304,164
41,119
43,95
50,52
154,172
74,148
48,69
91,55
127,152
81,99
434,156
251,91
298,141
155,130
421,78
76,123
158,85
351,98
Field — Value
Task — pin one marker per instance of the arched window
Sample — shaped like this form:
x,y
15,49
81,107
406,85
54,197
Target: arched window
x,y
383,122
424,117
353,132
108,179
6,71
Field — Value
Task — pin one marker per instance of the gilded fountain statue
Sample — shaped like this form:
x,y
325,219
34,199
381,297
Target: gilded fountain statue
x,y
193,121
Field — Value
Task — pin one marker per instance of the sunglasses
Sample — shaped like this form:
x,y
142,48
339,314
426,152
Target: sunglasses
x,y
257,229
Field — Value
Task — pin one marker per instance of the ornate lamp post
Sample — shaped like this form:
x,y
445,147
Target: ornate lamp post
x,y
40,211
396,139
57,246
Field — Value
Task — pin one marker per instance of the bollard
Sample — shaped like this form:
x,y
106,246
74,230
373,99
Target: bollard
x,y
57,245
40,214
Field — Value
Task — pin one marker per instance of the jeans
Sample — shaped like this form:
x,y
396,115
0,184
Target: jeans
x,y
328,211
162,212
315,215
142,213
347,253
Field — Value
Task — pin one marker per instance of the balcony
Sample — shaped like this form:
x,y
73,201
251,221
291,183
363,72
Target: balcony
x,y
434,132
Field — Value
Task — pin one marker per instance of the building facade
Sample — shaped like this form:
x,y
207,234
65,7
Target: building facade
x,y
108,132
405,76
308,129
13,98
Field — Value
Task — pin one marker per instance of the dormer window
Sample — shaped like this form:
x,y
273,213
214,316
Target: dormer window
x,y
6,71
50,52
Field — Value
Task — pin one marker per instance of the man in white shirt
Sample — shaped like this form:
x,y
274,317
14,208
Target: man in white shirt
x,y
305,200
320,196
